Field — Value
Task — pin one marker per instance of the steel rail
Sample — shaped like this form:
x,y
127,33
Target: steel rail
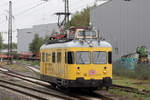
x,y
21,77
20,74
22,92
38,83
70,95
131,89
33,89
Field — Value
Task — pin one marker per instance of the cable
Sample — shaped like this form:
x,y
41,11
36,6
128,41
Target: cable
x,y
22,11
30,9
27,4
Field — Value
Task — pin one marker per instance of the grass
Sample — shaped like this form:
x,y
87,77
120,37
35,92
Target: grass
x,y
136,83
7,98
139,71
32,63
130,82
15,67
128,96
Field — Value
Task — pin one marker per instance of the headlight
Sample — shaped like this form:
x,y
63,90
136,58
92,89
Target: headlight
x,y
105,72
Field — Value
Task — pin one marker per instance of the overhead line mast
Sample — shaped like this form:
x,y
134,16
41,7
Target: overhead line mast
x,y
66,15
67,10
10,34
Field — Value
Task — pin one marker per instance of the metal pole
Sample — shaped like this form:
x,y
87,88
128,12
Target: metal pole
x,y
65,11
10,34
67,8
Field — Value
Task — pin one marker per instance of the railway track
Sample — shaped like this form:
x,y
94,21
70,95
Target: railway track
x,y
41,83
131,89
114,86
28,91
38,82
123,88
68,94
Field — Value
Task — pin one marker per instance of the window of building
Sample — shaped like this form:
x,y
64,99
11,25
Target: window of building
x,y
99,57
83,57
110,57
59,57
53,57
69,57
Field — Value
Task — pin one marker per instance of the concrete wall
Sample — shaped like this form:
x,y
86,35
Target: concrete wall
x,y
25,36
126,24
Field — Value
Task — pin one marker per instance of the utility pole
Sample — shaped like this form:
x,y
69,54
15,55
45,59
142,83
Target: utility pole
x,y
67,11
10,34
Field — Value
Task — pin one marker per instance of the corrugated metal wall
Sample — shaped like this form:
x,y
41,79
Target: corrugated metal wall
x,y
25,36
126,24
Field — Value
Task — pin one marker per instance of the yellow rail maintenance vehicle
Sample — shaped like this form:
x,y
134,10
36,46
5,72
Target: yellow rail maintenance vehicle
x,y
84,61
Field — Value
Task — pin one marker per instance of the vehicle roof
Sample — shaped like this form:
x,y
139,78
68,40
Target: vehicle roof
x,y
76,43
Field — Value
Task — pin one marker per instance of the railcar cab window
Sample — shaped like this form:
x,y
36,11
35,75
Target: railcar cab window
x,y
99,57
53,57
110,57
83,57
87,33
69,57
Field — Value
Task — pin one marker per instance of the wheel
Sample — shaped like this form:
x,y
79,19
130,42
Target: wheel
x,y
53,84
107,88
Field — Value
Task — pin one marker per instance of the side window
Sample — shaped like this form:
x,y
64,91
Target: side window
x,y
69,57
59,57
43,57
110,57
66,58
53,57
47,57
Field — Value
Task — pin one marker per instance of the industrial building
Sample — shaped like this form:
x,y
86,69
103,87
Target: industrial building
x,y
25,36
124,23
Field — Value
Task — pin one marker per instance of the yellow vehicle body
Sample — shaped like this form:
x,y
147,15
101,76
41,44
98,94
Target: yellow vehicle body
x,y
54,69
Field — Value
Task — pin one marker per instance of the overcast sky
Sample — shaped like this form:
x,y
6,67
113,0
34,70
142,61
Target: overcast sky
x,y
32,12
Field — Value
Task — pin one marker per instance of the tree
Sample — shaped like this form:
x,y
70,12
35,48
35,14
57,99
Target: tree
x,y
36,43
81,19
46,38
14,46
1,42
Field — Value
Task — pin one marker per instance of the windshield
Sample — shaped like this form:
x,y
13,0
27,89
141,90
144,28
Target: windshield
x,y
99,57
87,33
83,58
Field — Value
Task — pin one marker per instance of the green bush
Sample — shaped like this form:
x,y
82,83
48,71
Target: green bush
x,y
141,71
